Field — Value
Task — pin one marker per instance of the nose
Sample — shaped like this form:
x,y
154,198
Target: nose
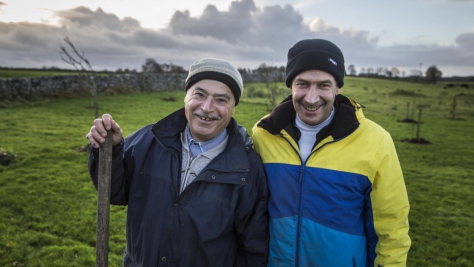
x,y
312,96
208,105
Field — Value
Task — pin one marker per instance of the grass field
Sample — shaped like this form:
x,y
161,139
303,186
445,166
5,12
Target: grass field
x,y
48,203
18,73
29,73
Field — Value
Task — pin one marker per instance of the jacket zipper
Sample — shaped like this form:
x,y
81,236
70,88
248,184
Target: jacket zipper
x,y
302,169
303,165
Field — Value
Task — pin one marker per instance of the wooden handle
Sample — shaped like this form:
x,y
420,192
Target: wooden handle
x,y
103,201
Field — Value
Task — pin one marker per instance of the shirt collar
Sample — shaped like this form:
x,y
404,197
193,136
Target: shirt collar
x,y
201,147
314,128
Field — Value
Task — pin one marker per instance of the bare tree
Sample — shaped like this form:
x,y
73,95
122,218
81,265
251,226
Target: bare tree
x,y
82,64
381,71
351,70
270,75
395,72
416,74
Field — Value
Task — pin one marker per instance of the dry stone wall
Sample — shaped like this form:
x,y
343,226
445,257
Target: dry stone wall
x,y
40,87
57,86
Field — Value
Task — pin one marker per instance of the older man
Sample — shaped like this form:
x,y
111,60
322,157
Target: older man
x,y
196,191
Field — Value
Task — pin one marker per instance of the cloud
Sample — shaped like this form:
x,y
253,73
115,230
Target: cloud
x,y
82,17
232,25
244,34
453,57
2,4
244,30
279,27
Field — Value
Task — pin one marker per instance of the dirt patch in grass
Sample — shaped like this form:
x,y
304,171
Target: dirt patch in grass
x,y
417,141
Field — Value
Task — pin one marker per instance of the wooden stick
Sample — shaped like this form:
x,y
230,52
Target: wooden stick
x,y
103,201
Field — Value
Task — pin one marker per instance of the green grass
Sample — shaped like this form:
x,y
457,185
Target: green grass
x,y
48,203
20,73
35,73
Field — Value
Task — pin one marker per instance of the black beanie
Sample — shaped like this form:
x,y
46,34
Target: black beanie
x,y
315,54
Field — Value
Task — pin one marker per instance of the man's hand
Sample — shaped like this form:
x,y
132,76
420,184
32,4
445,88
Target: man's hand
x,y
98,131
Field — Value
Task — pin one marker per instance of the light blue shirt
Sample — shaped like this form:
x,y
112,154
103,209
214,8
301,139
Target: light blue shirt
x,y
196,147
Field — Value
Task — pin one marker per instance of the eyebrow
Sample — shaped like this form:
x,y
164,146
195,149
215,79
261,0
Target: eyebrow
x,y
319,82
225,95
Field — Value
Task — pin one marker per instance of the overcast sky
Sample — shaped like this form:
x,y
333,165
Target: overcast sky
x,y
407,34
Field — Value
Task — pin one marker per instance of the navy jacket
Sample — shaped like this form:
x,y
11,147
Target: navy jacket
x,y
220,219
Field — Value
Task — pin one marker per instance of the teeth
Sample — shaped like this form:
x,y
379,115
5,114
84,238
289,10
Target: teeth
x,y
311,108
206,119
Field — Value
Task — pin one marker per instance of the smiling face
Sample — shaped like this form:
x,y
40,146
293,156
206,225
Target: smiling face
x,y
313,95
208,105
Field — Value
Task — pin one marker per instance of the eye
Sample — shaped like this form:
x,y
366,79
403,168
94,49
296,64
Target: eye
x,y
326,86
199,94
221,100
301,84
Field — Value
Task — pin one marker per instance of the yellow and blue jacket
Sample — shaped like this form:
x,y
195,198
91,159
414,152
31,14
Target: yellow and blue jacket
x,y
346,205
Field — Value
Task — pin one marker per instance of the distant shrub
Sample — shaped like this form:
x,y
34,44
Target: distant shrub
x,y
256,92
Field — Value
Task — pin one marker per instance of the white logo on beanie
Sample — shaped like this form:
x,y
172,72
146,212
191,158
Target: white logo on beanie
x,y
332,61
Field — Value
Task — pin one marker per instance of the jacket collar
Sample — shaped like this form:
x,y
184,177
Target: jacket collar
x,y
168,131
283,117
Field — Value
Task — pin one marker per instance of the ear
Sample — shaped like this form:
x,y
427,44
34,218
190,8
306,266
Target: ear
x,y
186,96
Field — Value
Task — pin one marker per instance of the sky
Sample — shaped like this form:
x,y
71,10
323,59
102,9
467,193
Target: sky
x,y
410,35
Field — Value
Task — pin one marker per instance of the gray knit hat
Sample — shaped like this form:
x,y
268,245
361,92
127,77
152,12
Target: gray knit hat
x,y
219,70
